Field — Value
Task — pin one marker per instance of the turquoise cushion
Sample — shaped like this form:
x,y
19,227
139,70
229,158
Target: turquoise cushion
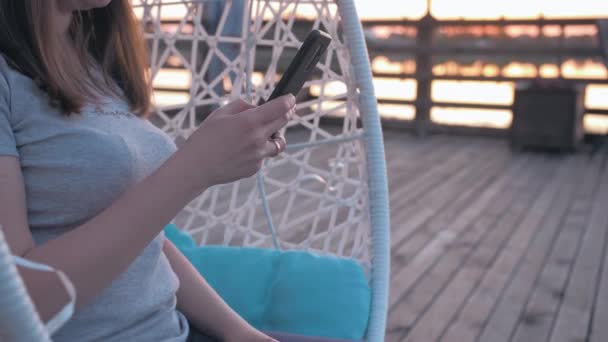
x,y
294,291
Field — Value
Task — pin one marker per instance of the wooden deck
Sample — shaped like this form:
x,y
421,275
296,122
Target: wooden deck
x,y
492,246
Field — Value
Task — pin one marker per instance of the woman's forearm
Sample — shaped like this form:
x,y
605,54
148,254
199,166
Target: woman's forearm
x,y
230,145
199,302
95,253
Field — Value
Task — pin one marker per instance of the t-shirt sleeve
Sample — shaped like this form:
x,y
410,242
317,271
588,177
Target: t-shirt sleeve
x,y
8,144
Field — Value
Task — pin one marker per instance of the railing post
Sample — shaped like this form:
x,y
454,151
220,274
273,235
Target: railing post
x,y
424,73
602,30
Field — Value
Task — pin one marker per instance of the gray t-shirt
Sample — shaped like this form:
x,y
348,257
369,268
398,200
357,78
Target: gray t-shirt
x,y
74,167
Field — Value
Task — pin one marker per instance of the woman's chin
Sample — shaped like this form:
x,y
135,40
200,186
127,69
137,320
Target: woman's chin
x,y
98,3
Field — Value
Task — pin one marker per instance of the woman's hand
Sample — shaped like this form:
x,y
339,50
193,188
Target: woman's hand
x,y
234,140
228,146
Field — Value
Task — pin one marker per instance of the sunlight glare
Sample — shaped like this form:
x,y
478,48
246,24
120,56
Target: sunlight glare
x,y
178,79
169,98
472,117
500,93
397,112
596,96
596,124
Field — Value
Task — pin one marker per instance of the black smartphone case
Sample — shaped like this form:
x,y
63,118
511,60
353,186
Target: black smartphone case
x,y
302,65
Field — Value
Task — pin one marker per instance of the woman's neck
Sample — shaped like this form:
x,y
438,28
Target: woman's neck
x,y
63,16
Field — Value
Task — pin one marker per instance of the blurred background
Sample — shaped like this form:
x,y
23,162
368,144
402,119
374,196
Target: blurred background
x,y
470,55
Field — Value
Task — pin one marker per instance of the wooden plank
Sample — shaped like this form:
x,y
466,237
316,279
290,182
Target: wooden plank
x,y
537,318
398,144
407,152
456,210
489,230
401,210
417,203
434,174
428,239
407,276
422,203
477,251
454,171
406,172
574,319
448,192
478,306
599,328
444,162
548,214
444,204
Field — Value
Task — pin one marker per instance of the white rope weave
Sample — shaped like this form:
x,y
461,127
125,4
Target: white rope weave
x,y
316,192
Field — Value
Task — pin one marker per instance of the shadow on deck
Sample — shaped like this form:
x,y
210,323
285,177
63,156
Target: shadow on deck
x,y
490,245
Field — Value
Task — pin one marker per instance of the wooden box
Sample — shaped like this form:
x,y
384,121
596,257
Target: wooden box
x,y
547,118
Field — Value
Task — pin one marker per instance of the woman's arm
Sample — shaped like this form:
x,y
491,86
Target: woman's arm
x,y
93,254
203,307
99,250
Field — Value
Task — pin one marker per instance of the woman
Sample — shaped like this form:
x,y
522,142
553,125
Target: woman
x,y
87,184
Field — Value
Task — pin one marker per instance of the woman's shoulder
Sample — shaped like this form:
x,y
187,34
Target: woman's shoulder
x,y
7,75
4,83
5,68
17,91
5,90
12,81
3,61
8,71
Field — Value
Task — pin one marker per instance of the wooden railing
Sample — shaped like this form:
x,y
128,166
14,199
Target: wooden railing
x,y
424,45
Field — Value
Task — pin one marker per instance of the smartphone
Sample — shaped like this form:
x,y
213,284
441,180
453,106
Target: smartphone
x,y
302,65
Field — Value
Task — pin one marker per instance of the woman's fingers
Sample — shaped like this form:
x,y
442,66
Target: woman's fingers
x,y
273,127
274,147
237,106
263,120
259,126
275,110
282,142
234,107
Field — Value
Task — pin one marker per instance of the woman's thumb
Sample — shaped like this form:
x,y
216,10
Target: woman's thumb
x,y
233,107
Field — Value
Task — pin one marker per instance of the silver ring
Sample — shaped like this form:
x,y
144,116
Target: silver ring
x,y
278,146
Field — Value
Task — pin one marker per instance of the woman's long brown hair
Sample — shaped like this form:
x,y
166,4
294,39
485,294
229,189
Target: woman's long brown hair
x,y
105,39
